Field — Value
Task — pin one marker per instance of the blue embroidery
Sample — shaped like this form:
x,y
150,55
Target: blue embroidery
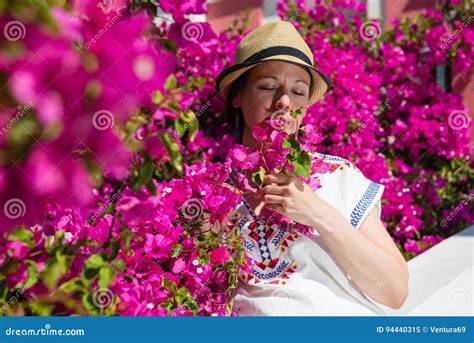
x,y
261,232
364,203
262,241
241,223
278,237
335,158
276,273
248,246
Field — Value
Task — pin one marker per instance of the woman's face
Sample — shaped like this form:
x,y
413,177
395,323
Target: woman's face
x,y
273,89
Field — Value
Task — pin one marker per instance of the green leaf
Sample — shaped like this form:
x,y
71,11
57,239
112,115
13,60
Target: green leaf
x,y
106,275
191,306
292,157
92,266
258,176
177,249
145,173
74,285
94,261
302,164
157,97
150,185
173,150
3,291
183,296
188,116
51,274
180,127
203,259
232,280
22,235
193,129
88,302
296,113
63,260
33,274
169,285
115,246
58,237
40,308
169,305
291,143
120,265
178,299
171,82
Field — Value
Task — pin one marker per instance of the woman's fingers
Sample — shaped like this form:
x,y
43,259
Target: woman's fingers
x,y
275,190
274,199
277,178
275,207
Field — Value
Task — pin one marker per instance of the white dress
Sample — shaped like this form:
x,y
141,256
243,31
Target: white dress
x,y
295,275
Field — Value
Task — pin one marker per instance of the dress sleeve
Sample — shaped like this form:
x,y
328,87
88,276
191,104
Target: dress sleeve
x,y
342,184
362,195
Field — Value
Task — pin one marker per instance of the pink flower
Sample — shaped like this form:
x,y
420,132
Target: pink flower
x,y
181,311
178,265
182,7
220,255
311,136
243,158
101,230
17,250
260,133
160,245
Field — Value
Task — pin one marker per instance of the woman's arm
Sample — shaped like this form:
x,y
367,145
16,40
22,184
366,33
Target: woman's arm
x,y
368,255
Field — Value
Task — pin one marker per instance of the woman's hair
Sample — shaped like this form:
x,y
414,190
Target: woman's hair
x,y
231,114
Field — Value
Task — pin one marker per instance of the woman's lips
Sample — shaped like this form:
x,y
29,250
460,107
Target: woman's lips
x,y
279,120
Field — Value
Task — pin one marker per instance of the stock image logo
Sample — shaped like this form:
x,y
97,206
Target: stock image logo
x,y
103,120
370,30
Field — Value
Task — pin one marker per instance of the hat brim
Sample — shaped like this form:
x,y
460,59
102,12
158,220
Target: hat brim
x,y
320,86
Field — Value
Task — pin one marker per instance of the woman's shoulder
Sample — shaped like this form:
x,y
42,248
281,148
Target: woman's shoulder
x,y
336,169
330,166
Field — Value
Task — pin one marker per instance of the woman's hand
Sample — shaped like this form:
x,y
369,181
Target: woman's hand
x,y
291,197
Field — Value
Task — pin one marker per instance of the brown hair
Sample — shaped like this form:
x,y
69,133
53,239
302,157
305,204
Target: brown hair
x,y
230,113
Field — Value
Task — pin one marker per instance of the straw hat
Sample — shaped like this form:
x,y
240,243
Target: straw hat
x,y
280,41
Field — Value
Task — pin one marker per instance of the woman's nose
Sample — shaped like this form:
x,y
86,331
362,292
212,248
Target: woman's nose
x,y
283,103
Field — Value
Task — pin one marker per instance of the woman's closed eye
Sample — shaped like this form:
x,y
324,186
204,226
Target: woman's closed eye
x,y
299,93
271,88
268,88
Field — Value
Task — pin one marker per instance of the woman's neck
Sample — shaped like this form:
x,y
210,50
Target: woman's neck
x,y
248,140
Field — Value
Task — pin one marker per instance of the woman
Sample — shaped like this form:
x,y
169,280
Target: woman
x,y
350,266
